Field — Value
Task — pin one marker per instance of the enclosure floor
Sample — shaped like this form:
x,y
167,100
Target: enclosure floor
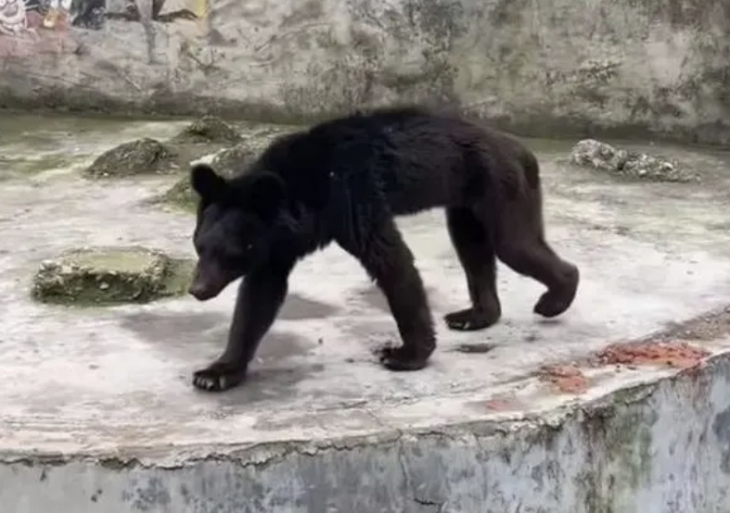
x,y
119,379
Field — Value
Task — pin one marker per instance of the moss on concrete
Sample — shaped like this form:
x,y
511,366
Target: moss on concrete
x,y
178,274
619,430
20,166
106,276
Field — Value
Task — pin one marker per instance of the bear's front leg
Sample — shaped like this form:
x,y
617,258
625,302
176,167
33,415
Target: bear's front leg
x,y
260,296
389,262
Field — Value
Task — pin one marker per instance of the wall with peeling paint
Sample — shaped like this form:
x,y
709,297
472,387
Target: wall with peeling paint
x,y
537,67
660,447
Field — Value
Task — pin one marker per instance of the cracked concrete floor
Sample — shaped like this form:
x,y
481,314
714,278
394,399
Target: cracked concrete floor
x,y
79,380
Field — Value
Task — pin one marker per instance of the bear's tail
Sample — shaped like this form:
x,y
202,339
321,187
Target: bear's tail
x,y
531,169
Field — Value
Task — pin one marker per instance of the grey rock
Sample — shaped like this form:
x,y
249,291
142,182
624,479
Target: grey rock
x,y
630,164
229,161
207,130
139,157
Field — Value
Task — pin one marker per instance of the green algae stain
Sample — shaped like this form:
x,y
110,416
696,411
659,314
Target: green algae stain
x,y
177,277
110,276
620,439
14,167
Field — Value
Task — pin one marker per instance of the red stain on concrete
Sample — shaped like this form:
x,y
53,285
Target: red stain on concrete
x,y
504,404
671,354
498,405
567,379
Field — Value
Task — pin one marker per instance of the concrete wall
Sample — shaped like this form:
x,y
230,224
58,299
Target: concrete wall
x,y
662,447
536,66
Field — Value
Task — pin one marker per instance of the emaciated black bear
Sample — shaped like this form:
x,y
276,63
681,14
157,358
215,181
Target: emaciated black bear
x,y
344,180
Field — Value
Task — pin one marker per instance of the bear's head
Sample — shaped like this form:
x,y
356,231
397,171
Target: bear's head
x,y
234,227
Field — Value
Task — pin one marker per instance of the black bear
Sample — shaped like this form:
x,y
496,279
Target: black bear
x,y
344,180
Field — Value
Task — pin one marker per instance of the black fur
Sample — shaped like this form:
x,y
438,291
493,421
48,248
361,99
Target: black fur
x,y
345,180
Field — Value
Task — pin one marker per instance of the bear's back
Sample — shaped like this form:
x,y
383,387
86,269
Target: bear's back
x,y
407,158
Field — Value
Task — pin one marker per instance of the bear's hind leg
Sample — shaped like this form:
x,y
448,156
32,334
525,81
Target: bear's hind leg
x,y
521,245
475,249
389,262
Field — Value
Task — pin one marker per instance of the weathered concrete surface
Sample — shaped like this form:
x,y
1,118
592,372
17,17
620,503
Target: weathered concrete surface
x,y
539,67
97,413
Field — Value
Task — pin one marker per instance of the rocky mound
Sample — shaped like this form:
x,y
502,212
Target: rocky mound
x,y
629,164
141,157
226,162
207,130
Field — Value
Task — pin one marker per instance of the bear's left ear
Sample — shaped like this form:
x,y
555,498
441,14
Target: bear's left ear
x,y
209,185
267,195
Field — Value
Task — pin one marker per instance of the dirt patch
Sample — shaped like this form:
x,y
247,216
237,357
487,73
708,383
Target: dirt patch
x,y
474,348
105,276
564,378
671,354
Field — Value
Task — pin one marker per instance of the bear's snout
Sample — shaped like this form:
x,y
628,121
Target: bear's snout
x,y
208,282
200,292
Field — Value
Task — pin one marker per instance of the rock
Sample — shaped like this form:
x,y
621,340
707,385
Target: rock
x,y
590,152
140,157
258,137
106,276
207,130
180,195
225,162
631,164
232,160
204,136
228,162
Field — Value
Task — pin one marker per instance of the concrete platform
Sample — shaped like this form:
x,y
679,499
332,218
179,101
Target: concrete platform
x,y
97,413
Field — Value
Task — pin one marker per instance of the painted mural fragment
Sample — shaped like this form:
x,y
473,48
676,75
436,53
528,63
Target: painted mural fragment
x,y
163,11
32,27
13,17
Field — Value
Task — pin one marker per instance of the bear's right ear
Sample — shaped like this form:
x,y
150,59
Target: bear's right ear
x,y
209,185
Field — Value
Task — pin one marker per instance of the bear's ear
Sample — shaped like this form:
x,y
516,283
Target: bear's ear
x,y
209,185
267,195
